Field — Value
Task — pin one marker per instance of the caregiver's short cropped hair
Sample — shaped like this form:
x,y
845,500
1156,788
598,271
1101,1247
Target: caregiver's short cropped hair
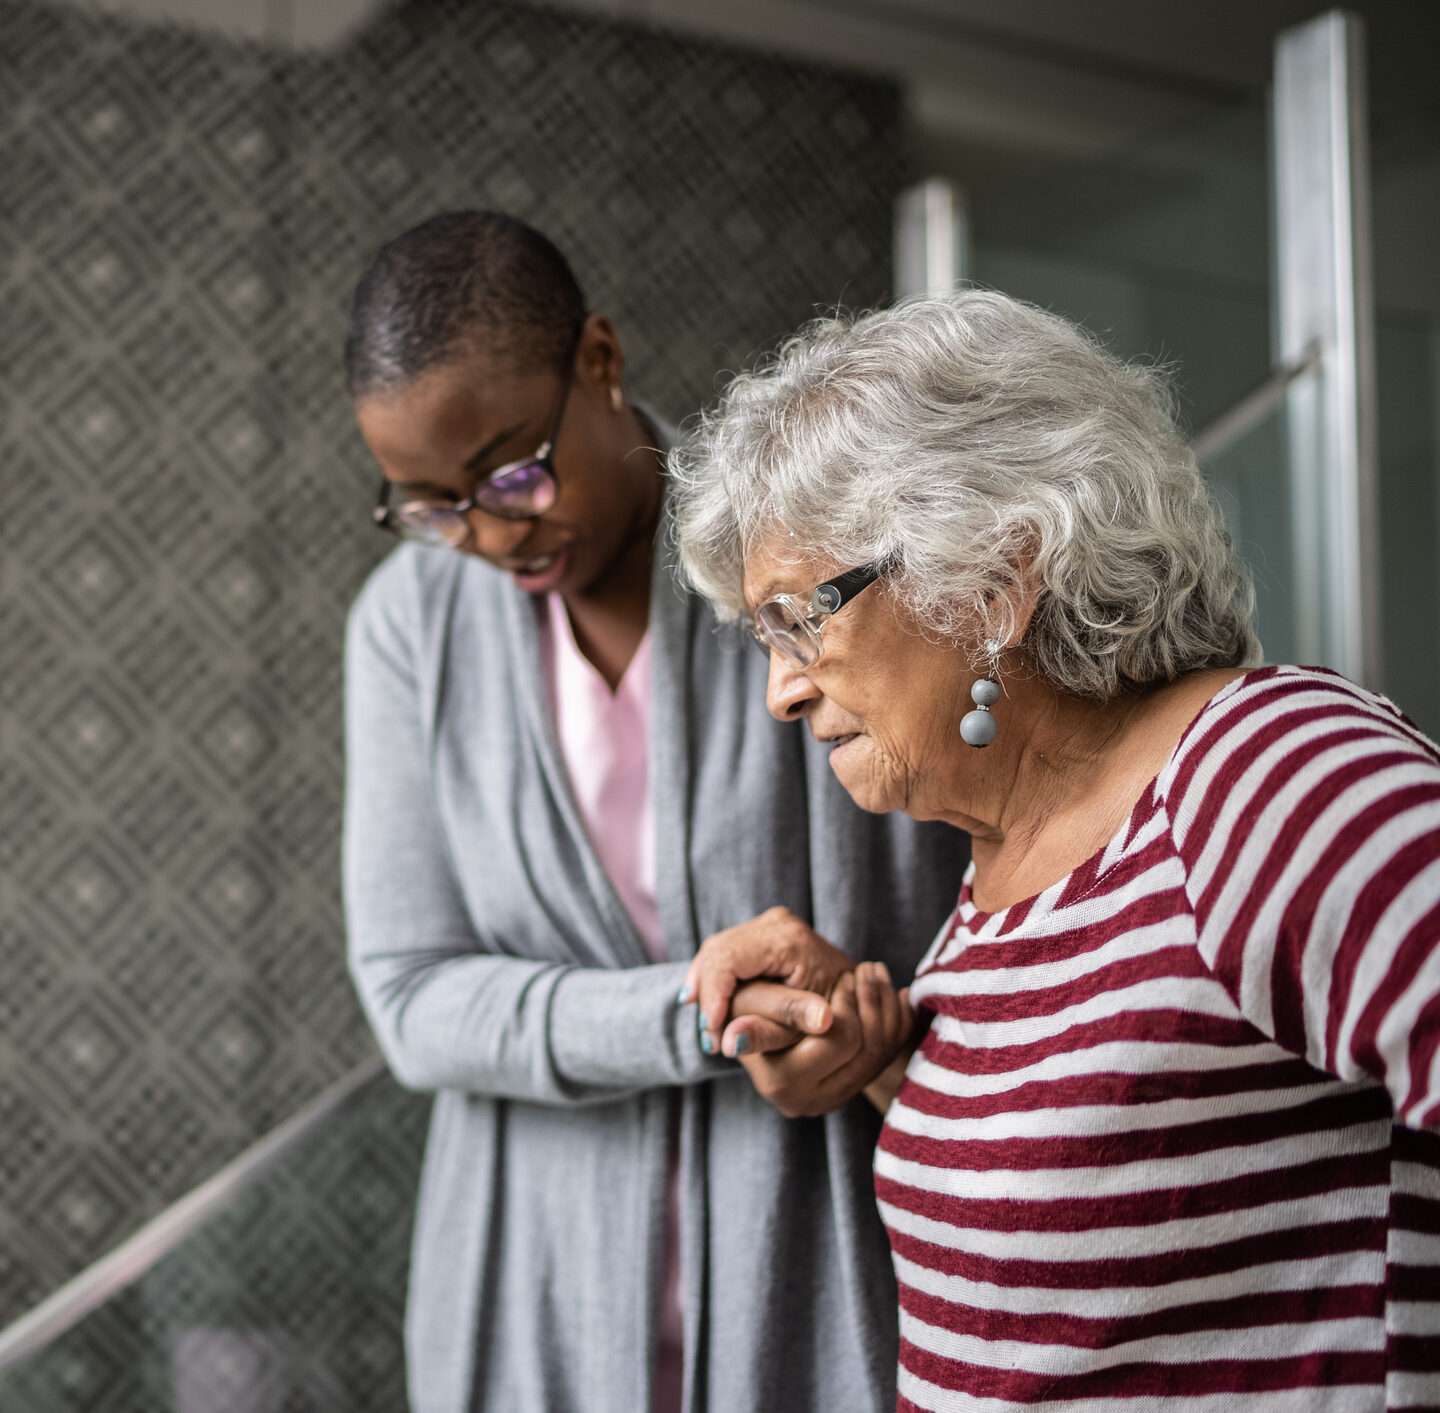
x,y
459,283
992,452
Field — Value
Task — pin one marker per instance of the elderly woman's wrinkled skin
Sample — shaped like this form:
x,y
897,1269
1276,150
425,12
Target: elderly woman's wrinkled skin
x,y
889,698
1058,782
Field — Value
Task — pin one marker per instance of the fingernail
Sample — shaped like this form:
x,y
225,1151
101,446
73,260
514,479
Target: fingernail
x,y
702,1021
884,972
707,1043
742,1044
814,1017
683,997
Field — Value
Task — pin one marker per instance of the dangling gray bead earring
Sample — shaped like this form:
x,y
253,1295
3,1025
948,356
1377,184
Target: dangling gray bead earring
x,y
978,728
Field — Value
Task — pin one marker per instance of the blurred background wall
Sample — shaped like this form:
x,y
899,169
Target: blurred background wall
x,y
184,509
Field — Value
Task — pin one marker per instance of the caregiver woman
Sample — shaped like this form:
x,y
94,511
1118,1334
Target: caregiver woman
x,y
559,782
1164,1142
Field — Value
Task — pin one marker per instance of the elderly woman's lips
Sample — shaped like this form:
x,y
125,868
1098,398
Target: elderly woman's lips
x,y
836,742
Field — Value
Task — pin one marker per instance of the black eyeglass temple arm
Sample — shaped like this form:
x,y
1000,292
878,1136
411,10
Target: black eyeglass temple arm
x,y
834,594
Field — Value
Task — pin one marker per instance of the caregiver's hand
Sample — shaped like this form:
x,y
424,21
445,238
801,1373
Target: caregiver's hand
x,y
776,945
870,1027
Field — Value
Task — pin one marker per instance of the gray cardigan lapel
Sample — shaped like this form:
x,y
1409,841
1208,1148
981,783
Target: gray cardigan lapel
x,y
671,787
670,626
523,632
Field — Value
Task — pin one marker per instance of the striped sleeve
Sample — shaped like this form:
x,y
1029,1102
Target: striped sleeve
x,y
1307,815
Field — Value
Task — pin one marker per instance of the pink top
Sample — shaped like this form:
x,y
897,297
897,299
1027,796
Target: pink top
x,y
604,740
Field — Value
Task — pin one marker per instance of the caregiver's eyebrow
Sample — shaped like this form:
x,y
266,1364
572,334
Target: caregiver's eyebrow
x,y
474,461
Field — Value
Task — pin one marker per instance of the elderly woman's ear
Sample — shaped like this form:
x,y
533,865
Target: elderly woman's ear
x,y
1008,610
997,650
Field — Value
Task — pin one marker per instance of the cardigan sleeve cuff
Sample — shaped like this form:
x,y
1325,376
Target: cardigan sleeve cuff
x,y
624,1029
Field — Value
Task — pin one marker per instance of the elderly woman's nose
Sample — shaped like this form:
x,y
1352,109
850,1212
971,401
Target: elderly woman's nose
x,y
789,693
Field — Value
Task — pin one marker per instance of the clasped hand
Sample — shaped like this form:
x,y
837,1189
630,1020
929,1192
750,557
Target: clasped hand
x,y
811,1027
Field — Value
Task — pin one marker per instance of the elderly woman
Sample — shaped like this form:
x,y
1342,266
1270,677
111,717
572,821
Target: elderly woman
x,y
1163,1143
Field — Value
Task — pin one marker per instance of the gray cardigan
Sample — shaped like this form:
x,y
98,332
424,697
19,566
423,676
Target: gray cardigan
x,y
500,970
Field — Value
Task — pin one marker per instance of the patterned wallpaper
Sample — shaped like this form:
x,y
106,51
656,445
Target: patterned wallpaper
x,y
183,501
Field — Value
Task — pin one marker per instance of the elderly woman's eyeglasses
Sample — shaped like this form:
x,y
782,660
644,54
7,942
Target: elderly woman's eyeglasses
x,y
519,490
790,627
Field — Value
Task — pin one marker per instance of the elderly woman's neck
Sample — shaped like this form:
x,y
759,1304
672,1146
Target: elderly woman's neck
x,y
1065,775
1049,751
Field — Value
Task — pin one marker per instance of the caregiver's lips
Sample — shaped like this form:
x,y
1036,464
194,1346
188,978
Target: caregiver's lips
x,y
540,573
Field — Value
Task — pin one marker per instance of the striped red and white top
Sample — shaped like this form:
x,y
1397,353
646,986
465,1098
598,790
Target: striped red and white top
x,y
1163,1146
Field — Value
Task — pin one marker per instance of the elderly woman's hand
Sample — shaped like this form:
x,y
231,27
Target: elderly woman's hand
x,y
778,946
870,1027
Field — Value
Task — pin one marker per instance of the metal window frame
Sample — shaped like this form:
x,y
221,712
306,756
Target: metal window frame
x,y
932,238
1324,299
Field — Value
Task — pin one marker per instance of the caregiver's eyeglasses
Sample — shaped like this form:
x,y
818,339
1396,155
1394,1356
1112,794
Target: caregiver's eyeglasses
x,y
518,490
786,625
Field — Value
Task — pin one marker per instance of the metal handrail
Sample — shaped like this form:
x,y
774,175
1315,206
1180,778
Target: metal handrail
x,y
111,1274
1253,408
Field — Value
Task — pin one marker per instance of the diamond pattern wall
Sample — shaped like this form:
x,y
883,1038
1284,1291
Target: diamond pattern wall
x,y
184,501
288,1302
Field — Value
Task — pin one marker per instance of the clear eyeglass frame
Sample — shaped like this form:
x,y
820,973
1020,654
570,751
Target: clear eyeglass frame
x,y
792,626
518,490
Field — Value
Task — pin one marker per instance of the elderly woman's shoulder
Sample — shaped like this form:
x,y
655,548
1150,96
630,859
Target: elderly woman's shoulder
x,y
1298,804
1292,694
1286,725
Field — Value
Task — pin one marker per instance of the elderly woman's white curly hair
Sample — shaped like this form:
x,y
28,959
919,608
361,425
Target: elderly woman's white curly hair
x,y
993,453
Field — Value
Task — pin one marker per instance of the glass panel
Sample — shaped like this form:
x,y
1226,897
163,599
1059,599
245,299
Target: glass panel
x,y
290,1301
1405,184
1408,357
1255,500
1163,250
